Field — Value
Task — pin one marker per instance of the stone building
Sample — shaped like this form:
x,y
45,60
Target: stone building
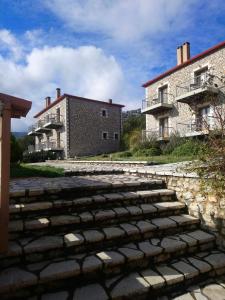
x,y
74,126
178,100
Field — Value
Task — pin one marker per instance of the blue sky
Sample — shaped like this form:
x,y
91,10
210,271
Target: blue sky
x,y
98,48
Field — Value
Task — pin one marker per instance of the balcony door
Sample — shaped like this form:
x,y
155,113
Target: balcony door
x,y
203,119
200,77
163,127
163,94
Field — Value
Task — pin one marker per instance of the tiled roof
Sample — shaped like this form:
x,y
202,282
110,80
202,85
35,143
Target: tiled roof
x,y
74,97
190,61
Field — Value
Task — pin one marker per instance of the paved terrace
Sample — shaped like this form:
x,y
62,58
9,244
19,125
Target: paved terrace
x,y
175,169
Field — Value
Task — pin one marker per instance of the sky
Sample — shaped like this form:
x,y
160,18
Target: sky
x,y
99,49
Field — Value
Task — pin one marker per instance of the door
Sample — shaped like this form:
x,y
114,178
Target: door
x,y
163,128
203,118
163,94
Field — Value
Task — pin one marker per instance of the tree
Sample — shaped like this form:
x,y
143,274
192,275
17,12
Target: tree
x,y
16,150
211,162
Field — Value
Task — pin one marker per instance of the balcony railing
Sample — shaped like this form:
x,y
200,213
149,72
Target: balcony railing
x,y
49,146
52,121
157,133
156,103
198,126
196,85
32,130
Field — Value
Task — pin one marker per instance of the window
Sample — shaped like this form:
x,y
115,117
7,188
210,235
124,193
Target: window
x,y
105,135
163,94
104,113
116,136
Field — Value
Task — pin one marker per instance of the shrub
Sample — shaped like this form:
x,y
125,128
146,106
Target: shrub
x,y
154,151
39,156
135,140
174,141
188,148
124,154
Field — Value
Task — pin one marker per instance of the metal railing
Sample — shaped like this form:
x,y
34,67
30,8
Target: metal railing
x,y
39,124
200,81
201,124
157,133
53,118
156,99
32,128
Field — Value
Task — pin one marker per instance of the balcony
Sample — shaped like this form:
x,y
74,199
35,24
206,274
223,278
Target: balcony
x,y
200,126
50,146
52,121
159,134
156,104
40,127
192,89
32,131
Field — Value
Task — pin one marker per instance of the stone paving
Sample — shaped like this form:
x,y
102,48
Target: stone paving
x,y
213,289
37,186
178,169
126,236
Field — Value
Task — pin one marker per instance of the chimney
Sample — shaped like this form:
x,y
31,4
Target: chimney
x,y
47,101
179,55
110,101
58,93
186,51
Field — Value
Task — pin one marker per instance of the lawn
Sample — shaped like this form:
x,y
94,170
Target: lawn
x,y
160,159
24,170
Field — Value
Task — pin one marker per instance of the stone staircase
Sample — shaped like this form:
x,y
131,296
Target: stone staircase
x,y
104,237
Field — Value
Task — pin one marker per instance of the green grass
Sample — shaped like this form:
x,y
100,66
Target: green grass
x,y
162,159
24,171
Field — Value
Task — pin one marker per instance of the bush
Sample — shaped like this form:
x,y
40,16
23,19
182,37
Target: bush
x,y
188,148
174,141
135,140
39,156
124,154
154,151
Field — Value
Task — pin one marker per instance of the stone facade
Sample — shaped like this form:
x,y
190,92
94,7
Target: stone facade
x,y
87,127
182,114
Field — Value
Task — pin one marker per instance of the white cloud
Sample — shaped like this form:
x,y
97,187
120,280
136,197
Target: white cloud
x,y
86,71
124,20
9,43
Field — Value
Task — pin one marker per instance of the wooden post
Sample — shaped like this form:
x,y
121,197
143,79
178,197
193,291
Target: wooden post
x,y
5,122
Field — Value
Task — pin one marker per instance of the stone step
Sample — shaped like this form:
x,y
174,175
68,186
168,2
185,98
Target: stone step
x,y
92,218
71,187
92,202
74,242
70,276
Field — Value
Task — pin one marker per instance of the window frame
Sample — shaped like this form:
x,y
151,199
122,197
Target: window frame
x,y
106,113
107,135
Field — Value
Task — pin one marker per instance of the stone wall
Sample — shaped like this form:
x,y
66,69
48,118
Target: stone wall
x,y
86,125
209,208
